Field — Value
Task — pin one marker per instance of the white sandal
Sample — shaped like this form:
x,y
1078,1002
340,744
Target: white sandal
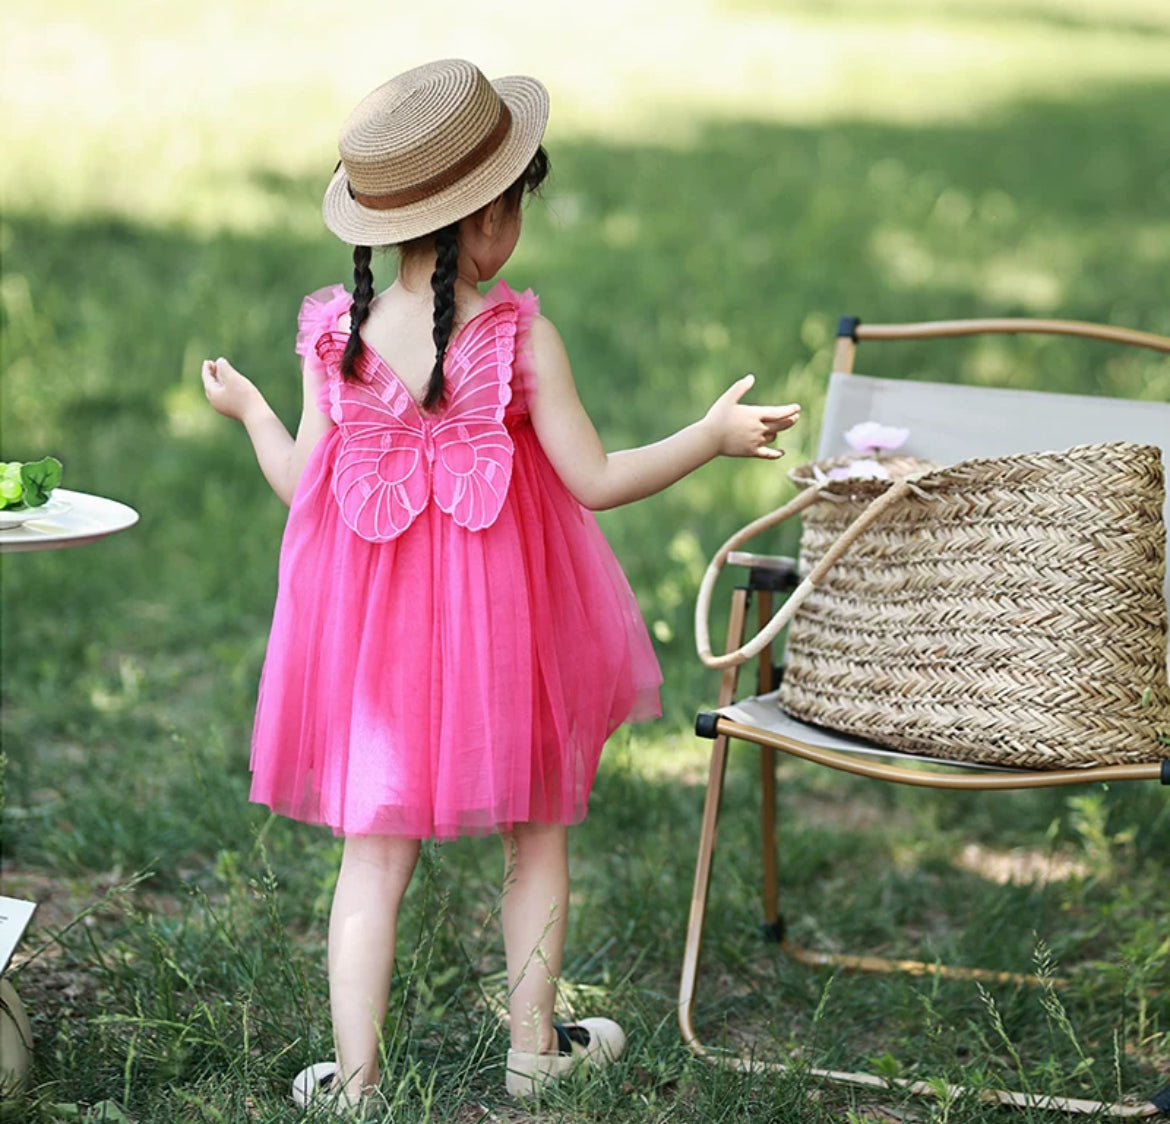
x,y
316,1087
590,1042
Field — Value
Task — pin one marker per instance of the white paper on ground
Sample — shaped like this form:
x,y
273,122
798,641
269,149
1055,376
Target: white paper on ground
x,y
15,914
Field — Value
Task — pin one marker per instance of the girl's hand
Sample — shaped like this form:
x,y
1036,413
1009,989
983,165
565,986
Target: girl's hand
x,y
229,392
747,431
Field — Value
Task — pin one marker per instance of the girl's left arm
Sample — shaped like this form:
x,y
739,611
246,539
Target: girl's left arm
x,y
599,479
282,458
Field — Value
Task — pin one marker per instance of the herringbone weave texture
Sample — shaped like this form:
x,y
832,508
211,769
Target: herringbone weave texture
x,y
1007,611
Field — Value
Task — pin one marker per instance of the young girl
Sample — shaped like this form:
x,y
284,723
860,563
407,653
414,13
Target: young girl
x,y
453,640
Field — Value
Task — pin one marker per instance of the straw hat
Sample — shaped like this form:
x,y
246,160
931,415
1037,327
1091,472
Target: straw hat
x,y
431,146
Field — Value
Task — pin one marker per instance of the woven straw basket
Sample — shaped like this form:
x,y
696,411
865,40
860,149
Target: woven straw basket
x,y
1005,611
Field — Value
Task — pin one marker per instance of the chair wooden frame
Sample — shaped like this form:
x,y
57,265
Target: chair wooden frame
x,y
767,577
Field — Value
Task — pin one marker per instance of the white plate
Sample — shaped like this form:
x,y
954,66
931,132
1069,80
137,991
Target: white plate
x,y
82,519
49,510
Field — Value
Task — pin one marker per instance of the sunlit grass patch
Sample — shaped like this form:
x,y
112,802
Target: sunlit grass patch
x,y
175,114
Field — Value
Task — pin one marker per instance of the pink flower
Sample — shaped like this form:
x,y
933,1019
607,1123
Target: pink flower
x,y
870,436
859,470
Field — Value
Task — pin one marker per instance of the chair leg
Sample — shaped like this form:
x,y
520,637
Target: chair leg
x,y
694,941
773,924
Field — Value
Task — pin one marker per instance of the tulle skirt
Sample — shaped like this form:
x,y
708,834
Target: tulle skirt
x,y
446,682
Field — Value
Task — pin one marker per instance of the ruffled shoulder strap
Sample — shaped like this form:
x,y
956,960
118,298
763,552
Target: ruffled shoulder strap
x,y
320,312
527,305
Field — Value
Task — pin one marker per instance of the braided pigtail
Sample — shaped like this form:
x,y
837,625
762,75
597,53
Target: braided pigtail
x,y
363,294
443,285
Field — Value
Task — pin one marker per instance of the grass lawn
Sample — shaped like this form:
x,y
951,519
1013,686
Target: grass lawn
x,y
728,179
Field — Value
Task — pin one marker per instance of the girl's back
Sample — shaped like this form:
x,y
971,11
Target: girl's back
x,y
400,329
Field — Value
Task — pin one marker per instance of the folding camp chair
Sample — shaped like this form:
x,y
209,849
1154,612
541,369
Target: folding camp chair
x,y
947,423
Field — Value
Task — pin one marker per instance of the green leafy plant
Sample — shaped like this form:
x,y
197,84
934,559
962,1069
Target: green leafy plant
x,y
28,484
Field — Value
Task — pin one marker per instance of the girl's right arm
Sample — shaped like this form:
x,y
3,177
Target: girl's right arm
x,y
282,458
599,479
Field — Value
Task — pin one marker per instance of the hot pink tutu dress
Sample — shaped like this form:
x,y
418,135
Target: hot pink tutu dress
x,y
453,639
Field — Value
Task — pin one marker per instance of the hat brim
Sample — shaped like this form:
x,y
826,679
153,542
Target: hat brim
x,y
527,100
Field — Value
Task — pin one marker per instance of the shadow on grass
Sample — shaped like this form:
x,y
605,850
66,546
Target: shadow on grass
x,y
129,667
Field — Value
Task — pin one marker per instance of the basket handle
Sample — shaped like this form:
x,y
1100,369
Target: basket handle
x,y
786,611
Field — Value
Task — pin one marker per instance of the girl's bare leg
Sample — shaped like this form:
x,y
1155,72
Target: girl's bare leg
x,y
534,913
375,871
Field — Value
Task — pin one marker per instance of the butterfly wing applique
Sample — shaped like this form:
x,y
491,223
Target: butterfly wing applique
x,y
472,449
394,457
382,476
